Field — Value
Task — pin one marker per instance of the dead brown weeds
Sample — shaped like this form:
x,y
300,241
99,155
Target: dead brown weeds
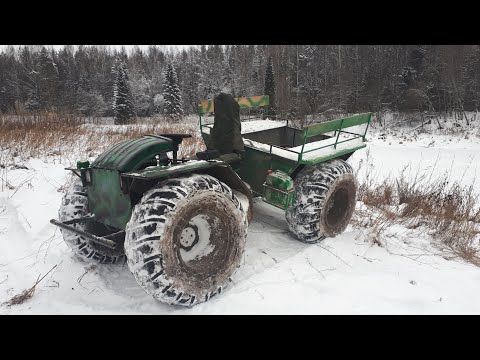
x,y
27,293
55,134
449,211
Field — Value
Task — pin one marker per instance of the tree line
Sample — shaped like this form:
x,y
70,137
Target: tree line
x,y
303,79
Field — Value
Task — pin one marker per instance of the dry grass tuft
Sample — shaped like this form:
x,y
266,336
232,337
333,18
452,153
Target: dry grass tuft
x,y
449,211
27,293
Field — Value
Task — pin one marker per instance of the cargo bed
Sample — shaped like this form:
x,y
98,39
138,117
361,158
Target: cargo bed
x,y
311,145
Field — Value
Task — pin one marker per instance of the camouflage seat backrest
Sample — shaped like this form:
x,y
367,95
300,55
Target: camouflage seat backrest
x,y
251,102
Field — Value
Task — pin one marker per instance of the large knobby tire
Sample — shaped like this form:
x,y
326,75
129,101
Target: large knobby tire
x,y
185,239
324,201
75,205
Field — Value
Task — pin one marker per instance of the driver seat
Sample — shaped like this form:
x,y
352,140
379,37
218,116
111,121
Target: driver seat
x,y
226,142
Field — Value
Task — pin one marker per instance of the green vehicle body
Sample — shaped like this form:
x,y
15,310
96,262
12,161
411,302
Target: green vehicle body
x,y
116,180
119,177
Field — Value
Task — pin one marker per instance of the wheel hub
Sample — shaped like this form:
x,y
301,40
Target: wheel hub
x,y
195,238
189,237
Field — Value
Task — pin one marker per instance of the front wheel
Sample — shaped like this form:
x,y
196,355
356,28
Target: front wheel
x,y
185,239
74,205
324,201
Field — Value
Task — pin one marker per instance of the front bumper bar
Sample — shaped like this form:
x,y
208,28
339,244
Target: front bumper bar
x,y
96,239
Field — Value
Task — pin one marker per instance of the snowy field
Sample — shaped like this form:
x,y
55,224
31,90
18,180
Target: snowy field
x,y
279,275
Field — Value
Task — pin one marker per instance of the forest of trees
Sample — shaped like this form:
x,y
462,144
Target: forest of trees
x,y
308,79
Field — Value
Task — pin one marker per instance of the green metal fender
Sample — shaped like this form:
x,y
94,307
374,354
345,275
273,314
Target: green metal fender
x,y
112,194
117,184
130,155
216,168
159,172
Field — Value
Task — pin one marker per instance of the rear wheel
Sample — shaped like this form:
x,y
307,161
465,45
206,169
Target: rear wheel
x,y
324,201
185,239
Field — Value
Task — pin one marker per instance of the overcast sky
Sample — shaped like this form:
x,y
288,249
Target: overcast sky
x,y
127,47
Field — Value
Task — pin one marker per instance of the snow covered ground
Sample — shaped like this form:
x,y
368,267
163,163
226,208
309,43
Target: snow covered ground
x,y
279,275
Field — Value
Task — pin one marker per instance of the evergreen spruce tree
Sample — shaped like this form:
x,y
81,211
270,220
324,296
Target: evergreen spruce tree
x,y
270,111
33,101
171,94
122,97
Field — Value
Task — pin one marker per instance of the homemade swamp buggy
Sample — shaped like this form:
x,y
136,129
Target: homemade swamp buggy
x,y
182,223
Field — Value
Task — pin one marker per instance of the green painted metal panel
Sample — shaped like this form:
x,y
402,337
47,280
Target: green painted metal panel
x,y
334,125
156,172
131,154
356,120
287,166
317,129
106,200
253,168
333,155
